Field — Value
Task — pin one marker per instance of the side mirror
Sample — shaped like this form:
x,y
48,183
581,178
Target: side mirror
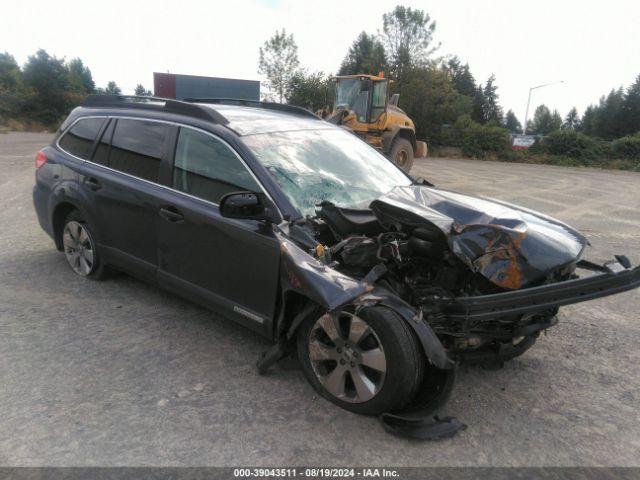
x,y
248,206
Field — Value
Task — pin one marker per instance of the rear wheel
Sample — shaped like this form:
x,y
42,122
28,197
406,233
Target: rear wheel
x,y
402,154
368,363
80,247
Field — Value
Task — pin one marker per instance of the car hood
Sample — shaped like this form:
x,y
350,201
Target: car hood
x,y
511,246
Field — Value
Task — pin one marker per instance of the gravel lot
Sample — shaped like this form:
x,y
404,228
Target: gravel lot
x,y
120,373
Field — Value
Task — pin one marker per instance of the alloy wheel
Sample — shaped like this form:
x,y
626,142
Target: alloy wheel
x,y
347,357
78,248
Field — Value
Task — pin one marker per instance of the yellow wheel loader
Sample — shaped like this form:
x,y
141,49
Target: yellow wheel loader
x,y
362,105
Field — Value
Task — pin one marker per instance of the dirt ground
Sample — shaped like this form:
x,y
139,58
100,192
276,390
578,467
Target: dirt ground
x,y
120,373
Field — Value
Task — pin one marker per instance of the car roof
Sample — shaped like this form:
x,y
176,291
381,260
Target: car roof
x,y
244,117
249,120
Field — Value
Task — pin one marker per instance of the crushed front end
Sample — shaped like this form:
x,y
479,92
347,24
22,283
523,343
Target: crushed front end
x,y
487,277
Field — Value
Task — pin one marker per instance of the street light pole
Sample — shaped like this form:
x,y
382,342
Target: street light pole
x,y
526,113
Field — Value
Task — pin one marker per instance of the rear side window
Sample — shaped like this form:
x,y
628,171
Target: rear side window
x,y
137,147
206,168
78,141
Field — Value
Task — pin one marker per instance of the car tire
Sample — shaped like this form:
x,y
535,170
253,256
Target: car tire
x,y
402,154
80,247
371,384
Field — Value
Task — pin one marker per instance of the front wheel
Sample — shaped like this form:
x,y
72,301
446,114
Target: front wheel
x,y
368,363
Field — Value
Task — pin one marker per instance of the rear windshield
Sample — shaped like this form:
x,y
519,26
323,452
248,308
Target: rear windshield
x,y
312,166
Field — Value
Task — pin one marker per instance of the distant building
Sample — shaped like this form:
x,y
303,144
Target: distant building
x,y
171,85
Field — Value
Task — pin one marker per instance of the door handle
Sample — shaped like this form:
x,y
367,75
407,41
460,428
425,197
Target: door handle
x,y
92,183
171,214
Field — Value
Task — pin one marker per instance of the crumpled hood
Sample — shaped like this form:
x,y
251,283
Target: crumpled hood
x,y
510,245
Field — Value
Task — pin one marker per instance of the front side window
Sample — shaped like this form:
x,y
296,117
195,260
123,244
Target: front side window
x,y
206,168
78,141
137,148
312,166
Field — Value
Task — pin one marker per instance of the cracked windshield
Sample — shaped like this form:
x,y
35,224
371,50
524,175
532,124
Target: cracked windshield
x,y
312,166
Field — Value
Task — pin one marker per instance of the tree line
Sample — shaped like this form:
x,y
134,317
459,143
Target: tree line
x,y
616,115
46,88
447,103
440,94
434,92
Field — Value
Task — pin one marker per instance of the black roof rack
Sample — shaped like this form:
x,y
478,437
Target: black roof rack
x,y
257,104
154,103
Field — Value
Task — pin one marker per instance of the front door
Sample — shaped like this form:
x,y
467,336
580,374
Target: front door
x,y
224,263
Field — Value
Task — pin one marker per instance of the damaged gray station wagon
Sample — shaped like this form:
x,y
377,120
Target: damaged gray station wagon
x,y
301,231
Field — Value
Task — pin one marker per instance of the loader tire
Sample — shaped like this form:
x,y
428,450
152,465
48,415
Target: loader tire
x,y
402,154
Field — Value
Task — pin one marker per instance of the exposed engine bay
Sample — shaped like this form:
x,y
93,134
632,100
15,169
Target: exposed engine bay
x,y
429,246
476,281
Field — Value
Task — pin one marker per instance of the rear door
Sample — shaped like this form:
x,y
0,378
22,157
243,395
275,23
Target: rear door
x,y
122,181
224,263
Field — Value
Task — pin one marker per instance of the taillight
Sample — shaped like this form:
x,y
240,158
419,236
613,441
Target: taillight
x,y
41,159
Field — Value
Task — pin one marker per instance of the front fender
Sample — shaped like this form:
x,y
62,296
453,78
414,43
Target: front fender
x,y
430,342
302,273
332,290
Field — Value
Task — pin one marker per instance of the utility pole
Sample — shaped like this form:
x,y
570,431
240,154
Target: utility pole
x,y
526,114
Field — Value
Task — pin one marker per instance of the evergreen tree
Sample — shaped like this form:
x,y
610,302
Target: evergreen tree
x,y
631,108
556,121
46,80
492,111
478,102
366,55
544,122
80,78
9,72
140,91
431,101
461,76
588,122
112,89
610,117
10,82
512,123
312,91
572,120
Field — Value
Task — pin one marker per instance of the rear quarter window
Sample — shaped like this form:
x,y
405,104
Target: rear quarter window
x,y
78,140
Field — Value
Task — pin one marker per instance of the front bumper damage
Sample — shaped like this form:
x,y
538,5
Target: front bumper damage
x,y
418,420
520,313
507,324
613,277
332,291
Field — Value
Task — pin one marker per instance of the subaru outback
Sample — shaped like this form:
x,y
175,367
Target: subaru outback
x,y
297,229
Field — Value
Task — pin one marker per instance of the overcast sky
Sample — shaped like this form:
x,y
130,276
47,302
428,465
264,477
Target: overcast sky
x,y
592,45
